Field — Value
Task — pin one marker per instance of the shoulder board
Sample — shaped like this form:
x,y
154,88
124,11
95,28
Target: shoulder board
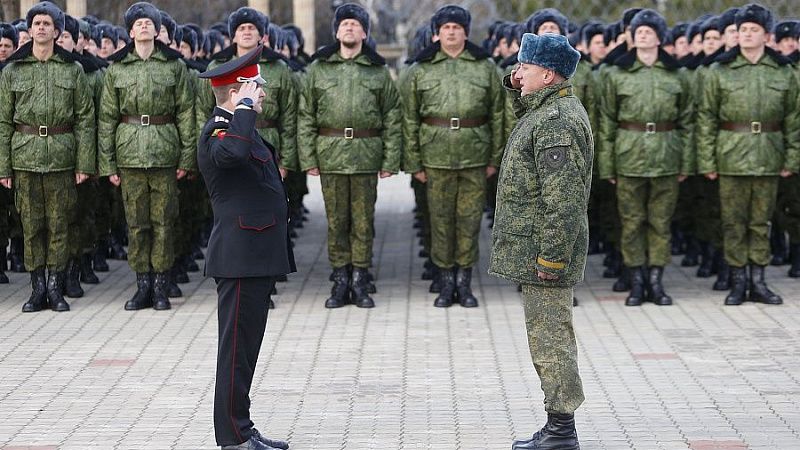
x,y
219,132
221,119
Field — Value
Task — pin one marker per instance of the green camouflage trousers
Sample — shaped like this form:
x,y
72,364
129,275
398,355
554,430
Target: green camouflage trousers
x,y
45,201
455,201
82,232
747,206
551,339
645,207
150,197
705,209
350,207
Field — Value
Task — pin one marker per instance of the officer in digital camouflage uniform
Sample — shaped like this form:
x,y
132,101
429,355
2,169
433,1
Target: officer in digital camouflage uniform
x,y
747,137
349,133
47,147
645,151
453,134
541,230
146,143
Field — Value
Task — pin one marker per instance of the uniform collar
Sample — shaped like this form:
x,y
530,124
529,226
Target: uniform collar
x,y
219,111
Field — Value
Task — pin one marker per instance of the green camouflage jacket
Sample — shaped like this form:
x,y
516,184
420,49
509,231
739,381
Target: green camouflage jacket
x,y
543,190
734,90
467,87
280,103
46,94
356,93
158,86
637,94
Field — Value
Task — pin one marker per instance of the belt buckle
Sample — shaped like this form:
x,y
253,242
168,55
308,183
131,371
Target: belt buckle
x,y
455,123
43,131
145,120
650,128
348,133
755,127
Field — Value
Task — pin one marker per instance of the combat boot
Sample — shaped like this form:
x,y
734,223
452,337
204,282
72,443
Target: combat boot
x,y
448,288
55,289
17,255
738,286
143,298
171,287
99,257
759,292
3,264
360,290
464,288
430,270
436,284
706,260
558,434
636,297
723,282
179,273
72,287
794,271
160,298
87,273
38,299
657,294
117,249
777,240
614,267
623,283
341,288
692,252
371,288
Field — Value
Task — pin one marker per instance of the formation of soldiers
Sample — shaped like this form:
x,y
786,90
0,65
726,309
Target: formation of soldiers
x,y
696,127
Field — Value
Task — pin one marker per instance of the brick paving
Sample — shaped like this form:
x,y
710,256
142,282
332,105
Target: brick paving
x,y
403,375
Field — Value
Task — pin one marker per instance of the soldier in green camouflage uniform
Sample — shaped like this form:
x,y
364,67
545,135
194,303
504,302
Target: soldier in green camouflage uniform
x,y
453,130
645,133
47,137
349,133
541,230
146,143
748,136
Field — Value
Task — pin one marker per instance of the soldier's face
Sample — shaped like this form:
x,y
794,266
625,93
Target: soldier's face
x,y
646,38
65,41
350,33
787,46
533,78
42,29
143,30
752,36
681,47
91,47
452,35
107,47
246,36
696,45
24,38
81,45
163,35
6,48
548,27
730,37
597,48
712,41
186,51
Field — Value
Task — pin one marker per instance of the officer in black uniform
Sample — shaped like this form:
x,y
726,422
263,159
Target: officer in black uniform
x,y
249,243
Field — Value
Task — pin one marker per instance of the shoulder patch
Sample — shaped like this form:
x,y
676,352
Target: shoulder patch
x,y
555,157
553,113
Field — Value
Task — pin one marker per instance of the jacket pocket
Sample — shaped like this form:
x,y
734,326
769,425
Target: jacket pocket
x,y
257,222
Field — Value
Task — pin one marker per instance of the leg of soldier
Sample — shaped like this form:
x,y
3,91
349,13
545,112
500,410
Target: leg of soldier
x,y
762,207
30,203
136,199
735,194
551,339
183,224
163,189
363,194
442,195
792,209
103,210
336,195
469,202
60,198
632,196
661,201
425,214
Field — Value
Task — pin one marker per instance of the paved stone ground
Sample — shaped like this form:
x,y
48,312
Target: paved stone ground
x,y
404,375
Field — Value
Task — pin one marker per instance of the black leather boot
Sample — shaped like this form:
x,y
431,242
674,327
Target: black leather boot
x,y
171,288
99,257
558,434
794,271
17,255
657,294
160,291
55,289
464,288
143,298
359,288
436,284
448,287
614,267
692,252
38,299
341,288
723,282
738,286
759,292
117,249
179,273
623,283
430,270
73,288
706,260
87,272
371,288
636,297
777,240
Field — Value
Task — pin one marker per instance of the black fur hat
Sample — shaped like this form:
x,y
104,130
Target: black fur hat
x,y
712,23
727,19
755,13
451,14
123,35
189,36
169,23
612,32
46,8
142,10
422,39
590,30
72,26
8,31
628,15
787,29
301,42
650,18
351,11
678,30
211,40
277,37
222,28
541,16
247,15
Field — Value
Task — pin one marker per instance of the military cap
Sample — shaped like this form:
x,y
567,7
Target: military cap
x,y
727,18
211,40
86,28
178,35
422,38
122,34
169,23
628,15
198,31
301,42
452,14
590,30
92,20
189,37
551,51
222,28
694,28
787,29
142,10
277,37
247,15
239,70
49,9
650,18
106,30
712,23
678,30
541,16
612,32
8,31
351,11
72,26
754,13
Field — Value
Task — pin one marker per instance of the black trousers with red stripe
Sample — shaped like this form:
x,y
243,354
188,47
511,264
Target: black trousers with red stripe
x,y
242,316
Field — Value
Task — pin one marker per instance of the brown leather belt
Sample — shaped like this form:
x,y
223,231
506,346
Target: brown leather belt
x,y
647,127
350,133
145,120
751,127
266,123
44,131
455,123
